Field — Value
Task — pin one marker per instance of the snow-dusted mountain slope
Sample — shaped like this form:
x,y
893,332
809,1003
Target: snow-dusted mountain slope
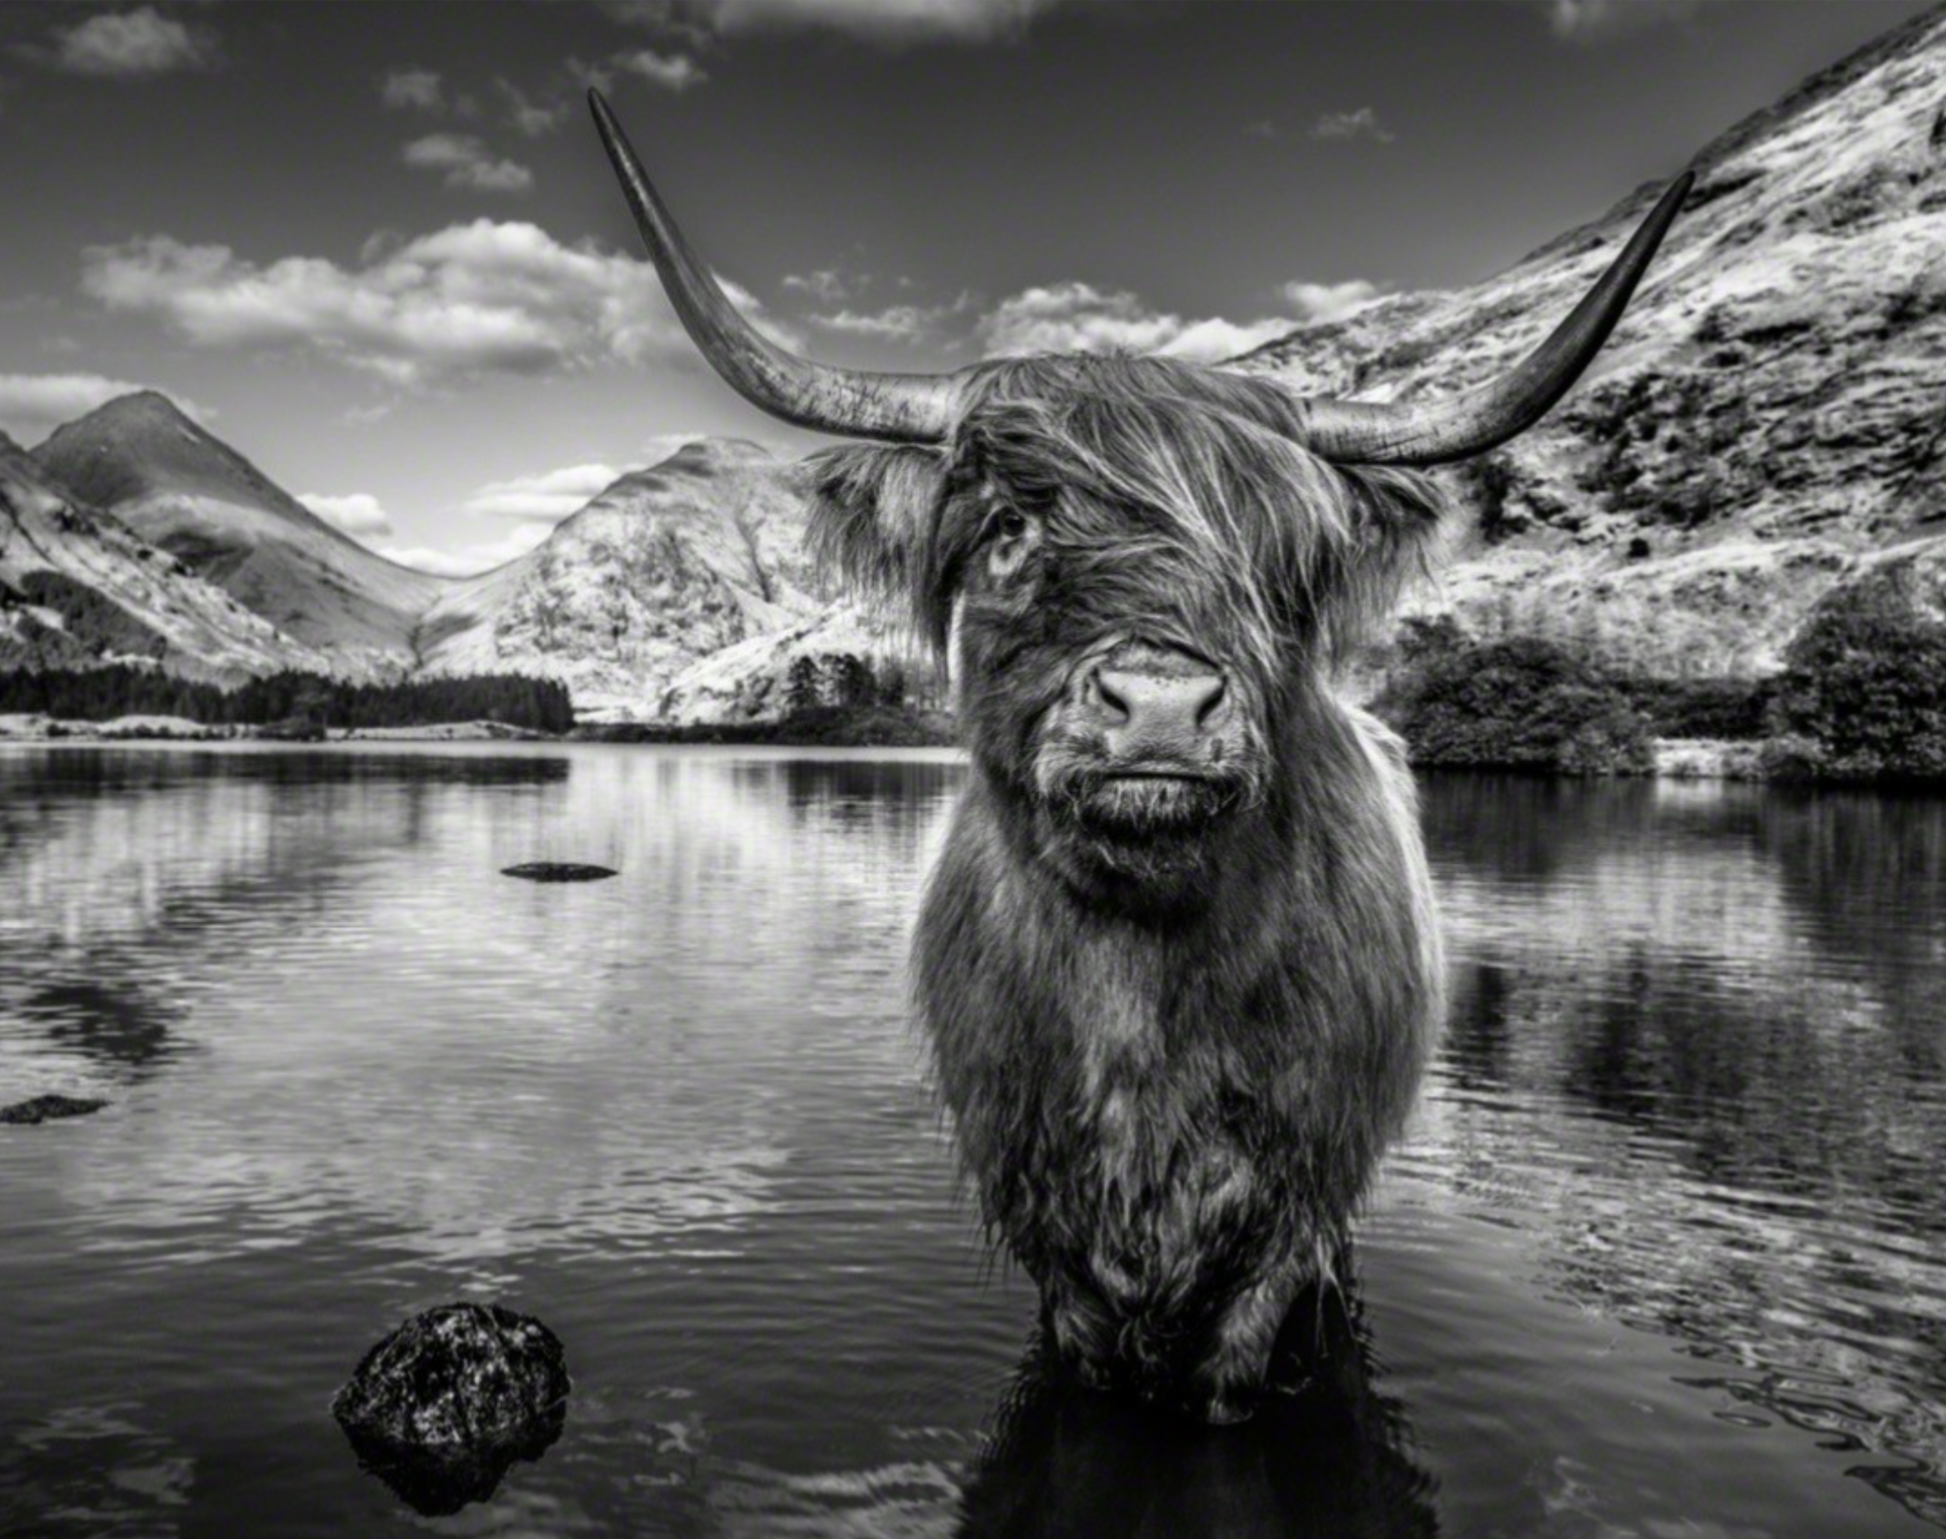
x,y
78,589
182,488
1768,422
666,566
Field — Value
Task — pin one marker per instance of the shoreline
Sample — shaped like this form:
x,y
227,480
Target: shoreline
x,y
1674,759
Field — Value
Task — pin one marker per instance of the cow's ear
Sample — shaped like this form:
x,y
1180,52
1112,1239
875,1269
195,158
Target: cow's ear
x,y
1395,519
875,520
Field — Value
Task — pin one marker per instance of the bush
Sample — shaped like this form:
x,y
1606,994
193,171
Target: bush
x,y
1520,703
1731,710
1864,687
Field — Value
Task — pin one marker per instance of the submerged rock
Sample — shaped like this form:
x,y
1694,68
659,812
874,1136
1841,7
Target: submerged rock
x,y
556,871
46,1108
446,1404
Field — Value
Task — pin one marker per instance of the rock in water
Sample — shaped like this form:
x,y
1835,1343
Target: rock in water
x,y
556,871
45,1108
446,1404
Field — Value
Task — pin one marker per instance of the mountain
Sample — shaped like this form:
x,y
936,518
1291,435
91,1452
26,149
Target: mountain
x,y
1766,424
667,566
184,489
78,588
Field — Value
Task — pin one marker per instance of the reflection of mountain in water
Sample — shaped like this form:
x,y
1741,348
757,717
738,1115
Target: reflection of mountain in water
x,y
1699,1038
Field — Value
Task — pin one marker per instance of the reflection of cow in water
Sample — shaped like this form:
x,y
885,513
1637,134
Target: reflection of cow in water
x,y
1179,963
1332,1460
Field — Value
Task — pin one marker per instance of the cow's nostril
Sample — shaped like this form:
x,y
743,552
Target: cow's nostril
x,y
1114,705
1212,703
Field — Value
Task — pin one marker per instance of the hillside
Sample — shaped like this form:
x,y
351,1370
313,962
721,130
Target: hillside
x,y
667,566
78,588
1766,424
187,491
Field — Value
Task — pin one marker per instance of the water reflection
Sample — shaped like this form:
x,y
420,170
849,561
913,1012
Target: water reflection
x,y
1695,1041
1662,1253
1333,1460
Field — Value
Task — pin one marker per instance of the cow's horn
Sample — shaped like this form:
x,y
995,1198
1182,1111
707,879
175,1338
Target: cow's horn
x,y
910,408
1377,433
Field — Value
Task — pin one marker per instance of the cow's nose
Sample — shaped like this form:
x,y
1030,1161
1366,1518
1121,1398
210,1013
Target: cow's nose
x,y
1156,713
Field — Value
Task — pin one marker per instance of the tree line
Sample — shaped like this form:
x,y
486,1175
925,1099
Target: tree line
x,y
291,699
1861,696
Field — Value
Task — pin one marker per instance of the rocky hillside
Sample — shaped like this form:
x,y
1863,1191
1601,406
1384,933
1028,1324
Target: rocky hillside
x,y
187,491
669,565
1769,422
78,588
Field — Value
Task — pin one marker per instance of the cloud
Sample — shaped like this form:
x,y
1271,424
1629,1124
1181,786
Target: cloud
x,y
487,297
826,284
671,71
128,44
532,118
416,88
355,513
876,20
1076,317
469,560
467,162
1362,124
1317,302
897,323
545,498
1588,21
33,405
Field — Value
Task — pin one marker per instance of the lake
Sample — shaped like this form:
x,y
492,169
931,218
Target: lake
x,y
1664,1253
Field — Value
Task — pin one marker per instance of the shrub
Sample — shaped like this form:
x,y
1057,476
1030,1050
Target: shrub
x,y
1733,710
1864,685
1518,703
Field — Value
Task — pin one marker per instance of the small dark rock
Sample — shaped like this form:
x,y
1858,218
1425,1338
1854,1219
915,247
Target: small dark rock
x,y
445,1405
45,1108
554,871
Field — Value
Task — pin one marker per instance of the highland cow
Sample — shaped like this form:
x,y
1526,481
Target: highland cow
x,y
1179,964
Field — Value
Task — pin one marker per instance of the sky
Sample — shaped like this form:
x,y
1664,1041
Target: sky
x,y
377,248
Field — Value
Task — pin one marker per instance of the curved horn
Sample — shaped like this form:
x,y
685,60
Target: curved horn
x,y
911,408
1377,433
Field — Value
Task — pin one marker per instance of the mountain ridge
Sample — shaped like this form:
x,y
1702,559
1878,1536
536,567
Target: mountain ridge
x,y
182,488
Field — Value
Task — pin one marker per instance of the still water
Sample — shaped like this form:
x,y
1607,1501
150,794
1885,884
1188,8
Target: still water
x,y
1664,1255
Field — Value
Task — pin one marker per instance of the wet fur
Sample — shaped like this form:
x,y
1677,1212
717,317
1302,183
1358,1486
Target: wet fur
x,y
1176,1049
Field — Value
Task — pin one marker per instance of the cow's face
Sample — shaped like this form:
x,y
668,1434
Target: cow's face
x,y
1137,586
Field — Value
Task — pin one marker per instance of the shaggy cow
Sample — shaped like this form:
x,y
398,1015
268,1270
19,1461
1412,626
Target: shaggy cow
x,y
1179,963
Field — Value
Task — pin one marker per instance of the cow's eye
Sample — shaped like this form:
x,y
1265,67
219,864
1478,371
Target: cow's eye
x,y
1013,533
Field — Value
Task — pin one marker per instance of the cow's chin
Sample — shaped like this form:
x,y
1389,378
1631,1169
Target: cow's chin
x,y
1138,839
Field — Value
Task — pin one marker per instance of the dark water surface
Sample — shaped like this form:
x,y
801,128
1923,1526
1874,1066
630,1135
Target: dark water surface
x,y
1665,1255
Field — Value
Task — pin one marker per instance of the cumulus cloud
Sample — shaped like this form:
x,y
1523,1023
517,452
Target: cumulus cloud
x,y
1314,302
415,88
355,513
130,44
1078,317
671,71
33,405
467,162
1362,124
488,297
469,560
547,497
